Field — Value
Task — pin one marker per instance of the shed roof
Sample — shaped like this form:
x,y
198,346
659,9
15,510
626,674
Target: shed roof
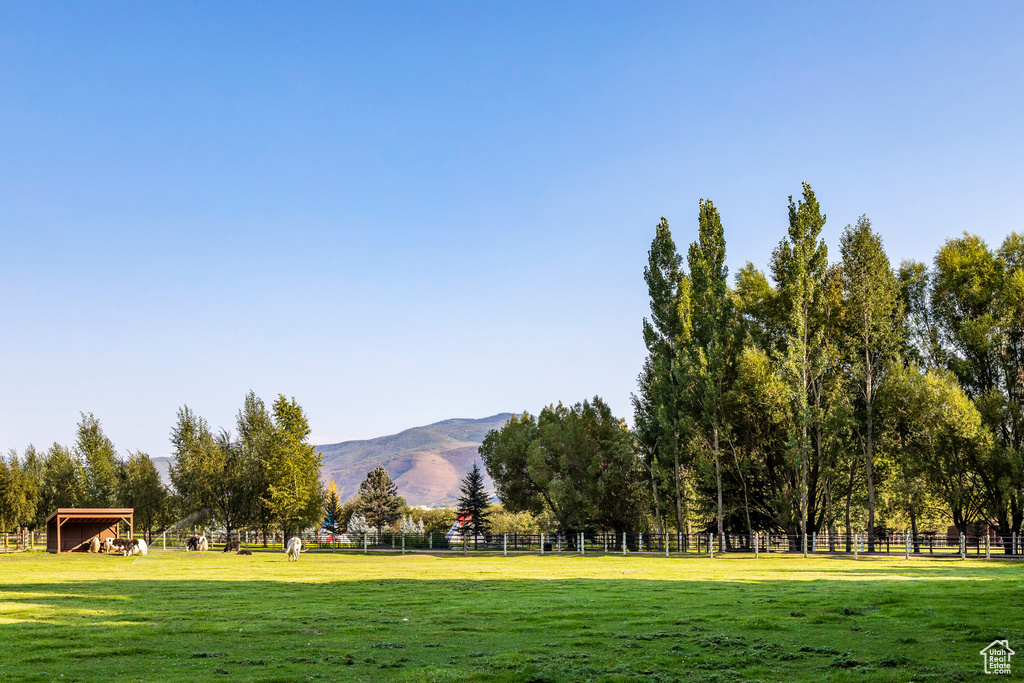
x,y
93,514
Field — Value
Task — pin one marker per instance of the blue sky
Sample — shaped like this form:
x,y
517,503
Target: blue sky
x,y
404,212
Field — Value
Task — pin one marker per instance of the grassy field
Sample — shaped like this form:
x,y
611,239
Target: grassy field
x,y
174,616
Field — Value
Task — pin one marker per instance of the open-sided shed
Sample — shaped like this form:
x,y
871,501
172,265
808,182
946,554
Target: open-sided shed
x,y
69,530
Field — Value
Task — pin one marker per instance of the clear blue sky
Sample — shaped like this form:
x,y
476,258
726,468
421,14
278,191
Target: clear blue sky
x,y
400,213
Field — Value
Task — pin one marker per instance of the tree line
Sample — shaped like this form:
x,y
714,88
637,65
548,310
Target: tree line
x,y
823,395
87,474
264,478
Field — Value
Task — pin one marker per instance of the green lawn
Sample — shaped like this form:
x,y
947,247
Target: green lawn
x,y
207,616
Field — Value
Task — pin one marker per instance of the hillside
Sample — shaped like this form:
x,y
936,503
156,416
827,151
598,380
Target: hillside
x,y
426,463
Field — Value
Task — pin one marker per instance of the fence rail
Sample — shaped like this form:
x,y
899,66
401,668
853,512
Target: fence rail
x,y
854,544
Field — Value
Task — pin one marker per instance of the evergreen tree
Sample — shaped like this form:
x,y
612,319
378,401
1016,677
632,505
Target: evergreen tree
x,y
332,510
357,525
378,499
474,502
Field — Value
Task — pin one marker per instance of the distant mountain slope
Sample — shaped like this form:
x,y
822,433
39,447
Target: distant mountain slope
x,y
426,463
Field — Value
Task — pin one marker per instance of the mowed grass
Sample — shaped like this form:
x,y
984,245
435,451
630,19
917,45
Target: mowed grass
x,y
176,616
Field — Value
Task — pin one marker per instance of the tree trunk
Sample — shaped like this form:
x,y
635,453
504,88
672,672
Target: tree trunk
x,y
849,499
868,455
679,493
654,492
746,501
803,435
718,476
830,519
913,526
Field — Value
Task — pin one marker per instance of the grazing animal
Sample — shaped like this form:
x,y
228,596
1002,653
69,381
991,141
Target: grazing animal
x,y
294,548
231,545
117,544
197,543
141,547
245,551
94,545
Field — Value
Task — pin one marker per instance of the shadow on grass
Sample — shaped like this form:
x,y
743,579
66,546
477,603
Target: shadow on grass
x,y
552,630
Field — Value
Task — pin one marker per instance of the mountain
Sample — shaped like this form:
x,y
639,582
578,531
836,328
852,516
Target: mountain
x,y
427,463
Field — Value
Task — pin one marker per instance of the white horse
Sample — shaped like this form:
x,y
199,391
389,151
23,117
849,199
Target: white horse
x,y
141,548
94,545
294,548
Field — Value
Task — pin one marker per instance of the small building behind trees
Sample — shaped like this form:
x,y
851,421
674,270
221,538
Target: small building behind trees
x,y
69,530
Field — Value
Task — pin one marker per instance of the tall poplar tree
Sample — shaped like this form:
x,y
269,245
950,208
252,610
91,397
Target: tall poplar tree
x,y
711,314
873,333
799,266
666,335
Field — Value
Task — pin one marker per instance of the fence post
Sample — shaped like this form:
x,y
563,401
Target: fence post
x,y
542,544
907,534
504,544
365,543
583,550
856,546
403,544
430,541
623,542
165,540
668,544
711,544
814,540
963,547
757,544
804,541
605,543
465,543
988,554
